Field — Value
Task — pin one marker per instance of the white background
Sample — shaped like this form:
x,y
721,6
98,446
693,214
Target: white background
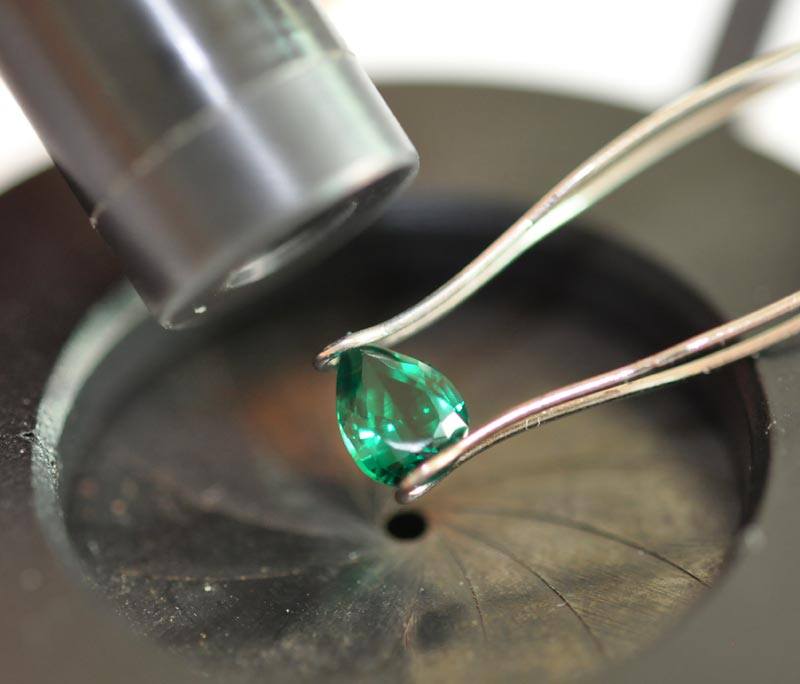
x,y
631,52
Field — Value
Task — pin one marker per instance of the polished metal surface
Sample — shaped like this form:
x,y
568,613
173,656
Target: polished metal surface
x,y
627,155
212,143
649,373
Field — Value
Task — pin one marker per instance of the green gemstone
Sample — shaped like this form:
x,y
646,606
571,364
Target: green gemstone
x,y
395,412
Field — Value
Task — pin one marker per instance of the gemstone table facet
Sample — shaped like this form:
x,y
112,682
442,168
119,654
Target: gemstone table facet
x,y
395,412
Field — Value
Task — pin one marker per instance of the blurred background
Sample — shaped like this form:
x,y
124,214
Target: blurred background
x,y
625,52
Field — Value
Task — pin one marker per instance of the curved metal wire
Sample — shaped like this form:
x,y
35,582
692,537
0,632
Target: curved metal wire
x,y
641,376
649,140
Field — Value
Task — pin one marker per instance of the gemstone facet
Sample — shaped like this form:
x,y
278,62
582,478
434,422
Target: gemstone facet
x,y
395,412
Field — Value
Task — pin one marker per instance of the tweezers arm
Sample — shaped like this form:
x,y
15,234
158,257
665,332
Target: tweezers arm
x,y
684,360
652,138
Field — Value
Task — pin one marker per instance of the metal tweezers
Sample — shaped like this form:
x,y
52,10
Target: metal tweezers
x,y
648,141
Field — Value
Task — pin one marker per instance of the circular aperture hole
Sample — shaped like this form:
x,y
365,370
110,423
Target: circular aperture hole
x,y
406,525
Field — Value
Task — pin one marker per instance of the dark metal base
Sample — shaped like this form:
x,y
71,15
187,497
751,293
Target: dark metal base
x,y
200,486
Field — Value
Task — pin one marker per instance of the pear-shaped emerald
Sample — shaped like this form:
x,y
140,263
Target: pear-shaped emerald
x,y
395,412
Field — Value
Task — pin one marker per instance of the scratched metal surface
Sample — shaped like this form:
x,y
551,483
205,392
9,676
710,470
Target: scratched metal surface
x,y
217,510
721,218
